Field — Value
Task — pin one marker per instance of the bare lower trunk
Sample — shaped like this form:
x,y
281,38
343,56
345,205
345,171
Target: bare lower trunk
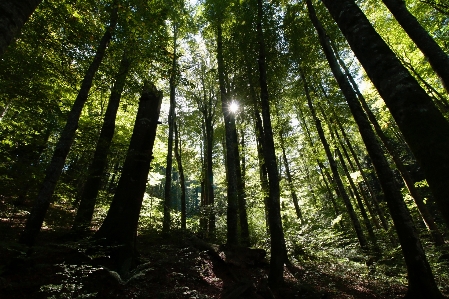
x,y
120,225
181,177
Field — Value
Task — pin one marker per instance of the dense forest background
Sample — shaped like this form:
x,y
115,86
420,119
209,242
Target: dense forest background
x,y
288,126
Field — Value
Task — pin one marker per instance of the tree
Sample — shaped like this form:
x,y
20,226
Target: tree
x,y
278,249
178,153
96,169
435,55
333,165
119,228
423,126
420,277
13,14
37,215
171,124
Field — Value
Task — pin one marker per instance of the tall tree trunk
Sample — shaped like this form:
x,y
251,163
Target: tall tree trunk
x,y
278,249
209,175
333,165
13,15
231,139
428,46
353,169
243,217
422,124
54,169
171,122
323,170
290,178
89,194
120,225
420,277
263,173
366,220
417,197
181,177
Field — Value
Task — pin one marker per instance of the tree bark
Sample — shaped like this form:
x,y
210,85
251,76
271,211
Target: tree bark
x,y
181,177
263,173
171,122
428,46
89,194
54,169
120,225
420,277
244,228
13,15
278,249
419,200
231,142
421,123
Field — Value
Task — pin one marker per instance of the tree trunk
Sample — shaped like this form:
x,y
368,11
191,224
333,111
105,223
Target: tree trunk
x,y
244,228
431,50
181,177
88,198
420,277
231,139
171,122
54,169
290,179
263,174
366,220
422,124
209,175
333,165
13,15
419,201
353,169
120,225
278,249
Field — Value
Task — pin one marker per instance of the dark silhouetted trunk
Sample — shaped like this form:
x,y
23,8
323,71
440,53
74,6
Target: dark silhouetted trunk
x,y
278,250
263,174
171,123
421,123
13,15
120,225
420,277
433,52
54,169
417,197
178,149
231,143
243,217
209,175
88,198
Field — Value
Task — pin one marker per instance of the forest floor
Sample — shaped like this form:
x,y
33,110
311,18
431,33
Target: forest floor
x,y
176,266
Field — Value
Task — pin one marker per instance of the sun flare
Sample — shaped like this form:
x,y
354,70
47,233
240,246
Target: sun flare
x,y
233,107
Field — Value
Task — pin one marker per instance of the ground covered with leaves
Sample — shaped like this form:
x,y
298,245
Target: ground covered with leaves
x,y
178,265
